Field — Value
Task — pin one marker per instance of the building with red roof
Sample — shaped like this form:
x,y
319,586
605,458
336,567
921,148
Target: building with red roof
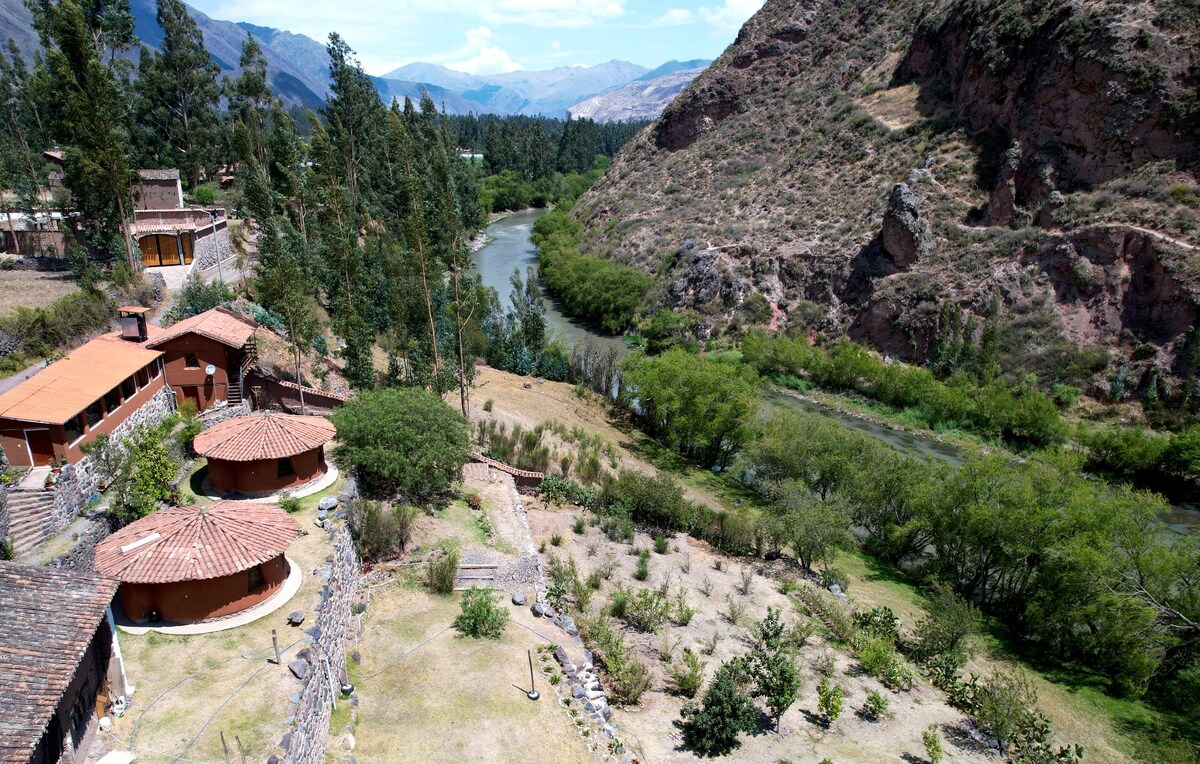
x,y
188,564
207,356
265,452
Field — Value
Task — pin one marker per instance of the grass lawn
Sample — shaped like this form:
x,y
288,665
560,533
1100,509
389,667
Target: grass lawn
x,y
190,689
440,697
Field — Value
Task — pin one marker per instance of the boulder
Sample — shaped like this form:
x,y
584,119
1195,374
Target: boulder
x,y
518,598
322,514
905,235
296,617
299,669
328,503
567,624
538,609
578,692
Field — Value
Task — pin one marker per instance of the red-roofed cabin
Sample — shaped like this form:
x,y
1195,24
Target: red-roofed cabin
x,y
206,356
91,392
265,452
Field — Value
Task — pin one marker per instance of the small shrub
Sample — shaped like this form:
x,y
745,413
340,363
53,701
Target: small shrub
x,y
829,701
481,616
876,706
580,526
686,565
824,663
709,644
289,503
933,744
880,660
488,404
735,610
687,676
706,587
594,580
681,612
442,573
660,544
643,569
474,501
880,622
646,610
719,565
746,581
556,539
607,568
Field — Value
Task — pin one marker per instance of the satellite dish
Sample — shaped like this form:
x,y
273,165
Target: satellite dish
x,y
210,370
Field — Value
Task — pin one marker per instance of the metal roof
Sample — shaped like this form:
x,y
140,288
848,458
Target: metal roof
x,y
69,385
47,619
263,436
196,543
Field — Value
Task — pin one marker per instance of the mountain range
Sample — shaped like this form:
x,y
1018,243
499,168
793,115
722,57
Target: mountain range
x,y
298,71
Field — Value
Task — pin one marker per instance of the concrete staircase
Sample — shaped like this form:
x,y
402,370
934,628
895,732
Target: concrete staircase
x,y
30,518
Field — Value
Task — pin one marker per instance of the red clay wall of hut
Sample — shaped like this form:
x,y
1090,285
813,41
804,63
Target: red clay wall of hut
x,y
188,601
263,476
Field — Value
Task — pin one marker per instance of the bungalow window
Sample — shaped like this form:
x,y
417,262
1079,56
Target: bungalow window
x,y
142,377
74,429
93,414
112,401
190,361
255,578
283,468
153,370
129,388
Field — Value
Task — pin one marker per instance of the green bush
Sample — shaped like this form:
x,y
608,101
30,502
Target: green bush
x,y
946,629
879,659
442,573
643,568
481,616
381,531
656,501
289,503
646,610
712,728
402,442
829,701
687,676
933,744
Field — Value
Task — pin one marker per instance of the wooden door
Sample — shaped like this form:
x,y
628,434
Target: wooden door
x,y
41,447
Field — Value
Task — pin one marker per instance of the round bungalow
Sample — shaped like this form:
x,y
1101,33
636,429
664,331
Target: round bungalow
x,y
188,564
265,452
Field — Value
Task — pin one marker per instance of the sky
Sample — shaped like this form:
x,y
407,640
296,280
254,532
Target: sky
x,y
491,36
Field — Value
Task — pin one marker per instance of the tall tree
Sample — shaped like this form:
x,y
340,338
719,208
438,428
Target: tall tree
x,y
22,134
89,117
178,94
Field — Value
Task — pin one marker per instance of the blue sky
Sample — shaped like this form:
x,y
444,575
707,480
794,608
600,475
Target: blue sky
x,y
504,35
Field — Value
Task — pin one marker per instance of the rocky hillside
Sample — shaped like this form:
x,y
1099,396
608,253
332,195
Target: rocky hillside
x,y
643,99
861,164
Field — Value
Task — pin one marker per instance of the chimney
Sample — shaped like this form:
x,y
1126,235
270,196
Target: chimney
x,y
133,323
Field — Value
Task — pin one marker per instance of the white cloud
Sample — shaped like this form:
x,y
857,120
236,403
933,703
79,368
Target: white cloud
x,y
556,45
732,14
482,58
674,17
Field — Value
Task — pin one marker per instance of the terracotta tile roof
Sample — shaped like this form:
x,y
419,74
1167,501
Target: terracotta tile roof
x,y
158,174
47,619
218,324
69,385
264,435
196,543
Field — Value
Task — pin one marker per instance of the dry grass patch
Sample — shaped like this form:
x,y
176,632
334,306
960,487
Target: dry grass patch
x,y
455,699
33,289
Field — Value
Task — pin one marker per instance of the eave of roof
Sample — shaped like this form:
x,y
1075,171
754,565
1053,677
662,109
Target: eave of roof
x,y
219,324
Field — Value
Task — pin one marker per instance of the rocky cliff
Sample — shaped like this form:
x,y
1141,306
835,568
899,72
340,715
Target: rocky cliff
x,y
861,164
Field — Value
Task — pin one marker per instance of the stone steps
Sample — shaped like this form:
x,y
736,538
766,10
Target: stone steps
x,y
30,518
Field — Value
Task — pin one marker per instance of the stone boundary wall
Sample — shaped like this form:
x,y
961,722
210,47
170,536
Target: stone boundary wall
x,y
78,482
305,743
4,513
209,247
213,417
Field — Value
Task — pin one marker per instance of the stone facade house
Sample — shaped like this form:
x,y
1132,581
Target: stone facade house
x,y
60,662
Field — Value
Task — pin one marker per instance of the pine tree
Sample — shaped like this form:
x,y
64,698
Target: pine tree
x,y
89,118
178,95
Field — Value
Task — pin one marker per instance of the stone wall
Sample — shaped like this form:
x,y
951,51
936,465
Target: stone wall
x,y
4,513
215,416
208,248
79,482
305,743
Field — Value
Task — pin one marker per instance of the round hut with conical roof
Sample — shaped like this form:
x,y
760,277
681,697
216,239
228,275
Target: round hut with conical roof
x,y
188,564
265,452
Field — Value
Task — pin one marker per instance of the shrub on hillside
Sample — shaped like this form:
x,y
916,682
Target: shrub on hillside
x,y
380,530
712,728
481,616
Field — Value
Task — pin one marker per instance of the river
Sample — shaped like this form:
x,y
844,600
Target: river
x,y
509,248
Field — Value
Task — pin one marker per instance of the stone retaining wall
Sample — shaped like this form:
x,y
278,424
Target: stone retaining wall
x,y
207,249
78,482
305,743
4,513
216,416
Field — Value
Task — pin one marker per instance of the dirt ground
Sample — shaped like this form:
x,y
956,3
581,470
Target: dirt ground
x,y
692,564
33,289
190,689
